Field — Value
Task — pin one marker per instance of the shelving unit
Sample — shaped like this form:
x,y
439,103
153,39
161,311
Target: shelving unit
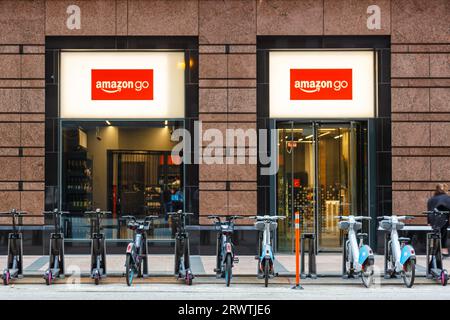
x,y
152,198
78,182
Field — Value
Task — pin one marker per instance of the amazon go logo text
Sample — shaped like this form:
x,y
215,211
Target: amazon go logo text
x,y
122,84
321,84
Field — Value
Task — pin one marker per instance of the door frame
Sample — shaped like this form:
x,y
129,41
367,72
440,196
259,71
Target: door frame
x,y
371,176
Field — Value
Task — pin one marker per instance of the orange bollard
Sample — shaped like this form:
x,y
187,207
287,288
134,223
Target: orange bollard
x,y
297,251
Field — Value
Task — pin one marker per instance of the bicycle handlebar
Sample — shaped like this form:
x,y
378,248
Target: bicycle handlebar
x,y
129,217
180,213
56,211
354,217
380,218
267,217
14,212
436,211
227,218
98,211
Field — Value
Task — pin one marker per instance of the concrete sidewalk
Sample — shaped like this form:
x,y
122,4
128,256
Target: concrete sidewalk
x,y
163,265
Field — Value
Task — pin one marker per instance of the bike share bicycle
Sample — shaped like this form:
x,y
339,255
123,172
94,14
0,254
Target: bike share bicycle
x,y
435,268
267,224
399,257
56,249
182,252
137,250
98,245
357,257
14,266
225,253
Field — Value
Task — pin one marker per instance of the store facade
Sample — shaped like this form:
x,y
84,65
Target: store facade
x,y
374,149
322,100
115,109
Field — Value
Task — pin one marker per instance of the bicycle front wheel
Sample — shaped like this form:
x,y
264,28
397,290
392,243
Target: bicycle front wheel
x,y
409,273
266,272
129,272
228,272
367,275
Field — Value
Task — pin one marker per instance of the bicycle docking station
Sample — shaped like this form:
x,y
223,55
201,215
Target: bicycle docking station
x,y
434,261
15,254
98,245
345,273
312,270
98,250
435,267
56,255
144,255
14,265
387,238
56,266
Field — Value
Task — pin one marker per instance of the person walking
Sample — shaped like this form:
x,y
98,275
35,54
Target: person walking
x,y
441,201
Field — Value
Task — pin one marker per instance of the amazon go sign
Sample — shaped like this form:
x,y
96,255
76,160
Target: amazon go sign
x,y
317,84
122,85
321,84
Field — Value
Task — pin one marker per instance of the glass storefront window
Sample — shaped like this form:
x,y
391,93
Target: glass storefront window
x,y
121,166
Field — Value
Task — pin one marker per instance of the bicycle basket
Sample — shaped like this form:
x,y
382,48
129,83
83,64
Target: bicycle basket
x,y
344,225
437,220
386,225
259,225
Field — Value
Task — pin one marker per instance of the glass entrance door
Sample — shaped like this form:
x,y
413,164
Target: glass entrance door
x,y
323,170
296,180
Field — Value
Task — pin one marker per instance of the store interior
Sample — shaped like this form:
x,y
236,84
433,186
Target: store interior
x,y
124,167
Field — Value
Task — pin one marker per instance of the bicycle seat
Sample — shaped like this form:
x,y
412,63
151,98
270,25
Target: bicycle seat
x,y
404,239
